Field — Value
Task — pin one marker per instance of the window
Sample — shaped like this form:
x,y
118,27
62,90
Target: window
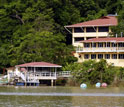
x,y
100,44
78,30
107,56
93,56
89,38
120,44
114,56
107,44
93,45
79,55
86,56
90,29
86,45
77,39
114,44
100,56
121,56
103,29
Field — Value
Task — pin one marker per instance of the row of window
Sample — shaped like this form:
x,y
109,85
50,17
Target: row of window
x,y
87,45
91,29
77,39
101,56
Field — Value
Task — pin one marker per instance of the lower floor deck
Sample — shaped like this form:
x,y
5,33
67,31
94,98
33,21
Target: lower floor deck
x,y
37,78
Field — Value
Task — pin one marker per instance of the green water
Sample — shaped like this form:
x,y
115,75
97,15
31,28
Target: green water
x,y
61,97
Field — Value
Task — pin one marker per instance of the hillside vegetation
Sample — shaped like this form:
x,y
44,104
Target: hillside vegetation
x,y
33,30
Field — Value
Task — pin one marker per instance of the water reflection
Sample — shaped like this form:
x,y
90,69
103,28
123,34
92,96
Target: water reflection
x,y
61,97
64,94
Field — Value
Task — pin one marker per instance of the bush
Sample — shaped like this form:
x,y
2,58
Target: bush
x,y
92,72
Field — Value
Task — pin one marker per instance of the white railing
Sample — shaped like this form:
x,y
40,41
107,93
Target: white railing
x,y
64,74
45,74
100,49
42,75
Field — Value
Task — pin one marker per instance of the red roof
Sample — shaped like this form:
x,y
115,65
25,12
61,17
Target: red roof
x,y
38,64
107,39
103,21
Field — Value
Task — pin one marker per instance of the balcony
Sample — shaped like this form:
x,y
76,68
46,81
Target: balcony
x,y
91,34
48,75
43,75
100,49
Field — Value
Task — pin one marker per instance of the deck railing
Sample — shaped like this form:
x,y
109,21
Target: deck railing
x,y
64,74
50,74
45,74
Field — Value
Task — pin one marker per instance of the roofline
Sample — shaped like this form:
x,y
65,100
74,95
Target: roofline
x,y
100,41
92,41
72,26
40,66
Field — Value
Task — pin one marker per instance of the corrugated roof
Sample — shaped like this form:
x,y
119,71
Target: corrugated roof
x,y
103,21
38,64
107,39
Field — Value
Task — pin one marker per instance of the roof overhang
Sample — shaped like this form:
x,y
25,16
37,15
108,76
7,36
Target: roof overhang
x,y
42,66
39,64
74,26
113,40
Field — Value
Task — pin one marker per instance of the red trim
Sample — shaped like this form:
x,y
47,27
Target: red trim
x,y
107,39
38,64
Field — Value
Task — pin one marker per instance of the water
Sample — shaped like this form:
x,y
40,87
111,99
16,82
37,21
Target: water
x,y
61,97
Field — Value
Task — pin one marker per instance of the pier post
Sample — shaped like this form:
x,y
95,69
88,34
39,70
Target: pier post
x,y
51,82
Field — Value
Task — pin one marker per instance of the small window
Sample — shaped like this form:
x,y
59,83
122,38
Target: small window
x,y
100,44
91,29
113,64
93,56
78,39
93,45
121,56
120,44
100,56
107,56
103,29
107,44
86,45
78,30
114,56
86,56
89,38
79,56
114,45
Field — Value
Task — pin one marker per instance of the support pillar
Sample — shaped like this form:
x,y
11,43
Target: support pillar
x,y
8,76
51,82
25,79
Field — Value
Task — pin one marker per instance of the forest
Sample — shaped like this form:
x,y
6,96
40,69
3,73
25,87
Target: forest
x,y
33,30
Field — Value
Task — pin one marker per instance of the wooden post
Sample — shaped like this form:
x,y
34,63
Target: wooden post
x,y
55,82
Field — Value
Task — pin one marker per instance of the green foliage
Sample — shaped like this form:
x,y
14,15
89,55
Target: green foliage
x,y
32,30
92,72
120,28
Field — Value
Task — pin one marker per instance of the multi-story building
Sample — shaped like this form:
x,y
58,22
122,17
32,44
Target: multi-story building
x,y
111,49
91,29
92,41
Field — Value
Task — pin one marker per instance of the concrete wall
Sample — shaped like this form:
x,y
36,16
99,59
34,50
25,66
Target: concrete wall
x,y
115,62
